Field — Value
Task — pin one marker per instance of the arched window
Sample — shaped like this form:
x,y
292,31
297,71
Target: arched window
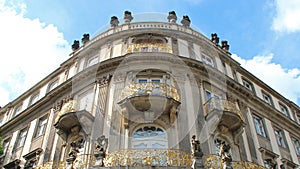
x,y
149,136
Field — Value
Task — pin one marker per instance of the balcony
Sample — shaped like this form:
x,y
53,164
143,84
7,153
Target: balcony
x,y
69,117
149,47
148,157
151,97
226,112
212,161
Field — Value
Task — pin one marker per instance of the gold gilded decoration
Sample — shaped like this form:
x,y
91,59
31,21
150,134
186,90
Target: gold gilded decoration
x,y
212,161
149,47
67,107
50,165
82,161
150,88
148,157
223,105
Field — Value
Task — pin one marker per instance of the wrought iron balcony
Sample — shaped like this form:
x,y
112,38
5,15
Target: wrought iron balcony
x,y
212,161
229,115
148,157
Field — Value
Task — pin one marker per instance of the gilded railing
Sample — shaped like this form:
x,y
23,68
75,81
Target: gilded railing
x,y
50,165
221,105
149,47
81,161
148,157
212,161
150,88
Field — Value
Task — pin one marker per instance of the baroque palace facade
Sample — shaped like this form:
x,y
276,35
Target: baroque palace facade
x,y
150,95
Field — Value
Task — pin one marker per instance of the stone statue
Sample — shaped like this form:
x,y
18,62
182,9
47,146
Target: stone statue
x,y
114,21
225,45
225,155
100,150
127,17
75,45
196,153
172,17
74,150
85,38
215,38
186,21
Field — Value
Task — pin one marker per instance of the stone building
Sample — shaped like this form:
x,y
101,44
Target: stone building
x,y
150,95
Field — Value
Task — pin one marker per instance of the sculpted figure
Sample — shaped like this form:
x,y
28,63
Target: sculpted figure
x,y
100,149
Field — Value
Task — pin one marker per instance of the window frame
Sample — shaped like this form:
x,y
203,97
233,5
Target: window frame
x,y
21,138
280,138
41,125
296,146
52,84
18,109
247,84
259,126
149,141
266,95
5,148
34,98
282,106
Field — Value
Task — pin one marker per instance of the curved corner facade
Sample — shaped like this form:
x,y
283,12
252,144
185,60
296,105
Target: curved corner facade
x,y
150,94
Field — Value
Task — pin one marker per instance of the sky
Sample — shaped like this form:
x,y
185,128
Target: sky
x,y
36,35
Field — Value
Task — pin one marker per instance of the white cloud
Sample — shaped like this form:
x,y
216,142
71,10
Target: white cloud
x,y
30,50
287,16
284,81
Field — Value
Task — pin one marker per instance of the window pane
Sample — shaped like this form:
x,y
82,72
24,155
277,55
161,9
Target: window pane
x,y
22,137
41,126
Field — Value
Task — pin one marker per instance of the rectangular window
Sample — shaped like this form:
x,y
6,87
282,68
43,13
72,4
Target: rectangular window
x,y
5,146
155,80
21,138
259,126
284,110
142,80
41,126
18,110
267,98
248,85
279,137
297,146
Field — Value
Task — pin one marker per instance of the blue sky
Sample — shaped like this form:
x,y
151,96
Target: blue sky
x,y
264,35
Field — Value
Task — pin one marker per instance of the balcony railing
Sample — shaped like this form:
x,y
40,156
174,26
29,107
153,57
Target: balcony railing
x,y
149,47
148,157
212,161
82,161
150,89
221,105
